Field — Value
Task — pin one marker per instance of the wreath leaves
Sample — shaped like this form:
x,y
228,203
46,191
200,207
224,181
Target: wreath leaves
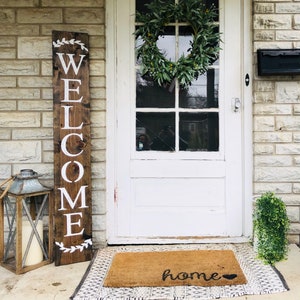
x,y
204,46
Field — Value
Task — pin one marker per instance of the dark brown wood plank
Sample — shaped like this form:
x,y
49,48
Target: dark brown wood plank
x,y
72,147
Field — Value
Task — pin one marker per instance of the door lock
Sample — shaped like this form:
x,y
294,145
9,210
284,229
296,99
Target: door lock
x,y
236,104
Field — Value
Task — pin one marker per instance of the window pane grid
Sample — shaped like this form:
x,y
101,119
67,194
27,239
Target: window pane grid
x,y
191,120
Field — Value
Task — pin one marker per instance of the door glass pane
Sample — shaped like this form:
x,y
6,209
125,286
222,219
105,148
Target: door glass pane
x,y
155,131
203,93
199,131
170,118
166,42
185,39
150,94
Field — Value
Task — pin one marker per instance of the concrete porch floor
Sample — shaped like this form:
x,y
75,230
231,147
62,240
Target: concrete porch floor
x,y
59,283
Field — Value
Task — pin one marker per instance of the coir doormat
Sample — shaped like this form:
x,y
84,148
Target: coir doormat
x,y
261,279
173,268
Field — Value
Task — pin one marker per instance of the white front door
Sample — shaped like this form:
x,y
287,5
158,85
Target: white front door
x,y
186,181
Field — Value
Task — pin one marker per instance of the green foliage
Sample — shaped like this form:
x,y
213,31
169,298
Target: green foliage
x,y
204,47
271,225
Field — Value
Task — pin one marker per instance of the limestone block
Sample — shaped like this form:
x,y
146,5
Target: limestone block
x,y
270,109
296,22
293,213
39,15
296,160
272,45
288,8
7,42
98,184
84,15
296,137
296,188
73,3
47,119
98,170
273,161
285,35
5,134
294,228
278,187
287,92
98,93
280,174
20,119
293,238
287,149
35,105
264,8
5,171
32,134
7,53
273,137
98,118
7,16
264,97
99,206
272,21
19,67
20,30
34,47
19,93
99,222
90,29
287,123
97,68
98,155
20,151
263,149
8,105
8,82
264,123
33,81
264,86
263,35
18,3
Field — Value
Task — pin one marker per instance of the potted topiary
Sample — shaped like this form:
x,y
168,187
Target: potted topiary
x,y
271,225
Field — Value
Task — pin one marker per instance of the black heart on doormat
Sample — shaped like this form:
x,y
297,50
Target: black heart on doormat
x,y
229,276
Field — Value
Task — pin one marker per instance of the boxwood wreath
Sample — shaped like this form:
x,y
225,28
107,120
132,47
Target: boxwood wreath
x,y
204,46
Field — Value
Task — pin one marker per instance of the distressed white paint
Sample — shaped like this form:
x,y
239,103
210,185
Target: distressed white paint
x,y
183,196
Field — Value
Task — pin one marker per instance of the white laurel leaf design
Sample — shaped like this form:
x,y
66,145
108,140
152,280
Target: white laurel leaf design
x,y
72,249
63,41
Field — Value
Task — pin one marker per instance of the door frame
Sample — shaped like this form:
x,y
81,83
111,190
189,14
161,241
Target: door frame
x,y
111,129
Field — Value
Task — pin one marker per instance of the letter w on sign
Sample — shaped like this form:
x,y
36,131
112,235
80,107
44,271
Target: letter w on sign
x,y
72,147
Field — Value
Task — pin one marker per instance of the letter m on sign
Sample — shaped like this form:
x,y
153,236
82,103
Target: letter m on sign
x,y
72,148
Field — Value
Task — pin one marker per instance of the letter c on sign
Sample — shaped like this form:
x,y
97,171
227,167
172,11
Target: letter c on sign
x,y
64,144
64,169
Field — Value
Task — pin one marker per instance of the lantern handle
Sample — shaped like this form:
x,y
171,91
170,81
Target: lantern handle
x,y
9,182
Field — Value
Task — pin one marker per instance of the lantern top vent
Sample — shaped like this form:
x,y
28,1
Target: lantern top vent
x,y
26,182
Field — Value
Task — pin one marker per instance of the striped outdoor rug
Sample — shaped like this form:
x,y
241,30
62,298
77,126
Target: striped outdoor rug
x,y
261,278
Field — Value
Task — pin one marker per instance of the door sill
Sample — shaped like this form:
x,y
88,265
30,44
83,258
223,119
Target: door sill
x,y
178,240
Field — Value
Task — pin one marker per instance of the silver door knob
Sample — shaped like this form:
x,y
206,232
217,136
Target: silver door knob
x,y
237,104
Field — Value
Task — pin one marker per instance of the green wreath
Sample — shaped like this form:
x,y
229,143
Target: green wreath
x,y
204,47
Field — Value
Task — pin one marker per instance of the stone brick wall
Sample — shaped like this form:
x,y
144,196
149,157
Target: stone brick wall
x,y
26,111
276,24
26,96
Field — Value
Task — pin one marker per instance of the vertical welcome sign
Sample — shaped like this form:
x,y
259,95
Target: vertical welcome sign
x,y
72,168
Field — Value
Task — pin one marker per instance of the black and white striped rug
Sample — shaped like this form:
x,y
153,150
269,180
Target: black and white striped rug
x,y
262,279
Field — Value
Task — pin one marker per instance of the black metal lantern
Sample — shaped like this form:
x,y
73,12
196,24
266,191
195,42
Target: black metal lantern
x,y
26,226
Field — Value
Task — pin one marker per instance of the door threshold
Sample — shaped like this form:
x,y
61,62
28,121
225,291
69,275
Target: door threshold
x,y
178,240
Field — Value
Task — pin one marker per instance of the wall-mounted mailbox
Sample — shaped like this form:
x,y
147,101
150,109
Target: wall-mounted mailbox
x,y
278,62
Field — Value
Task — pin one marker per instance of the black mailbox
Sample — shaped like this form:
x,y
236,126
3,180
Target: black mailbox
x,y
278,61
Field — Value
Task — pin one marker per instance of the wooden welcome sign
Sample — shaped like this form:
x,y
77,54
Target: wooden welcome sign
x,y
72,147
